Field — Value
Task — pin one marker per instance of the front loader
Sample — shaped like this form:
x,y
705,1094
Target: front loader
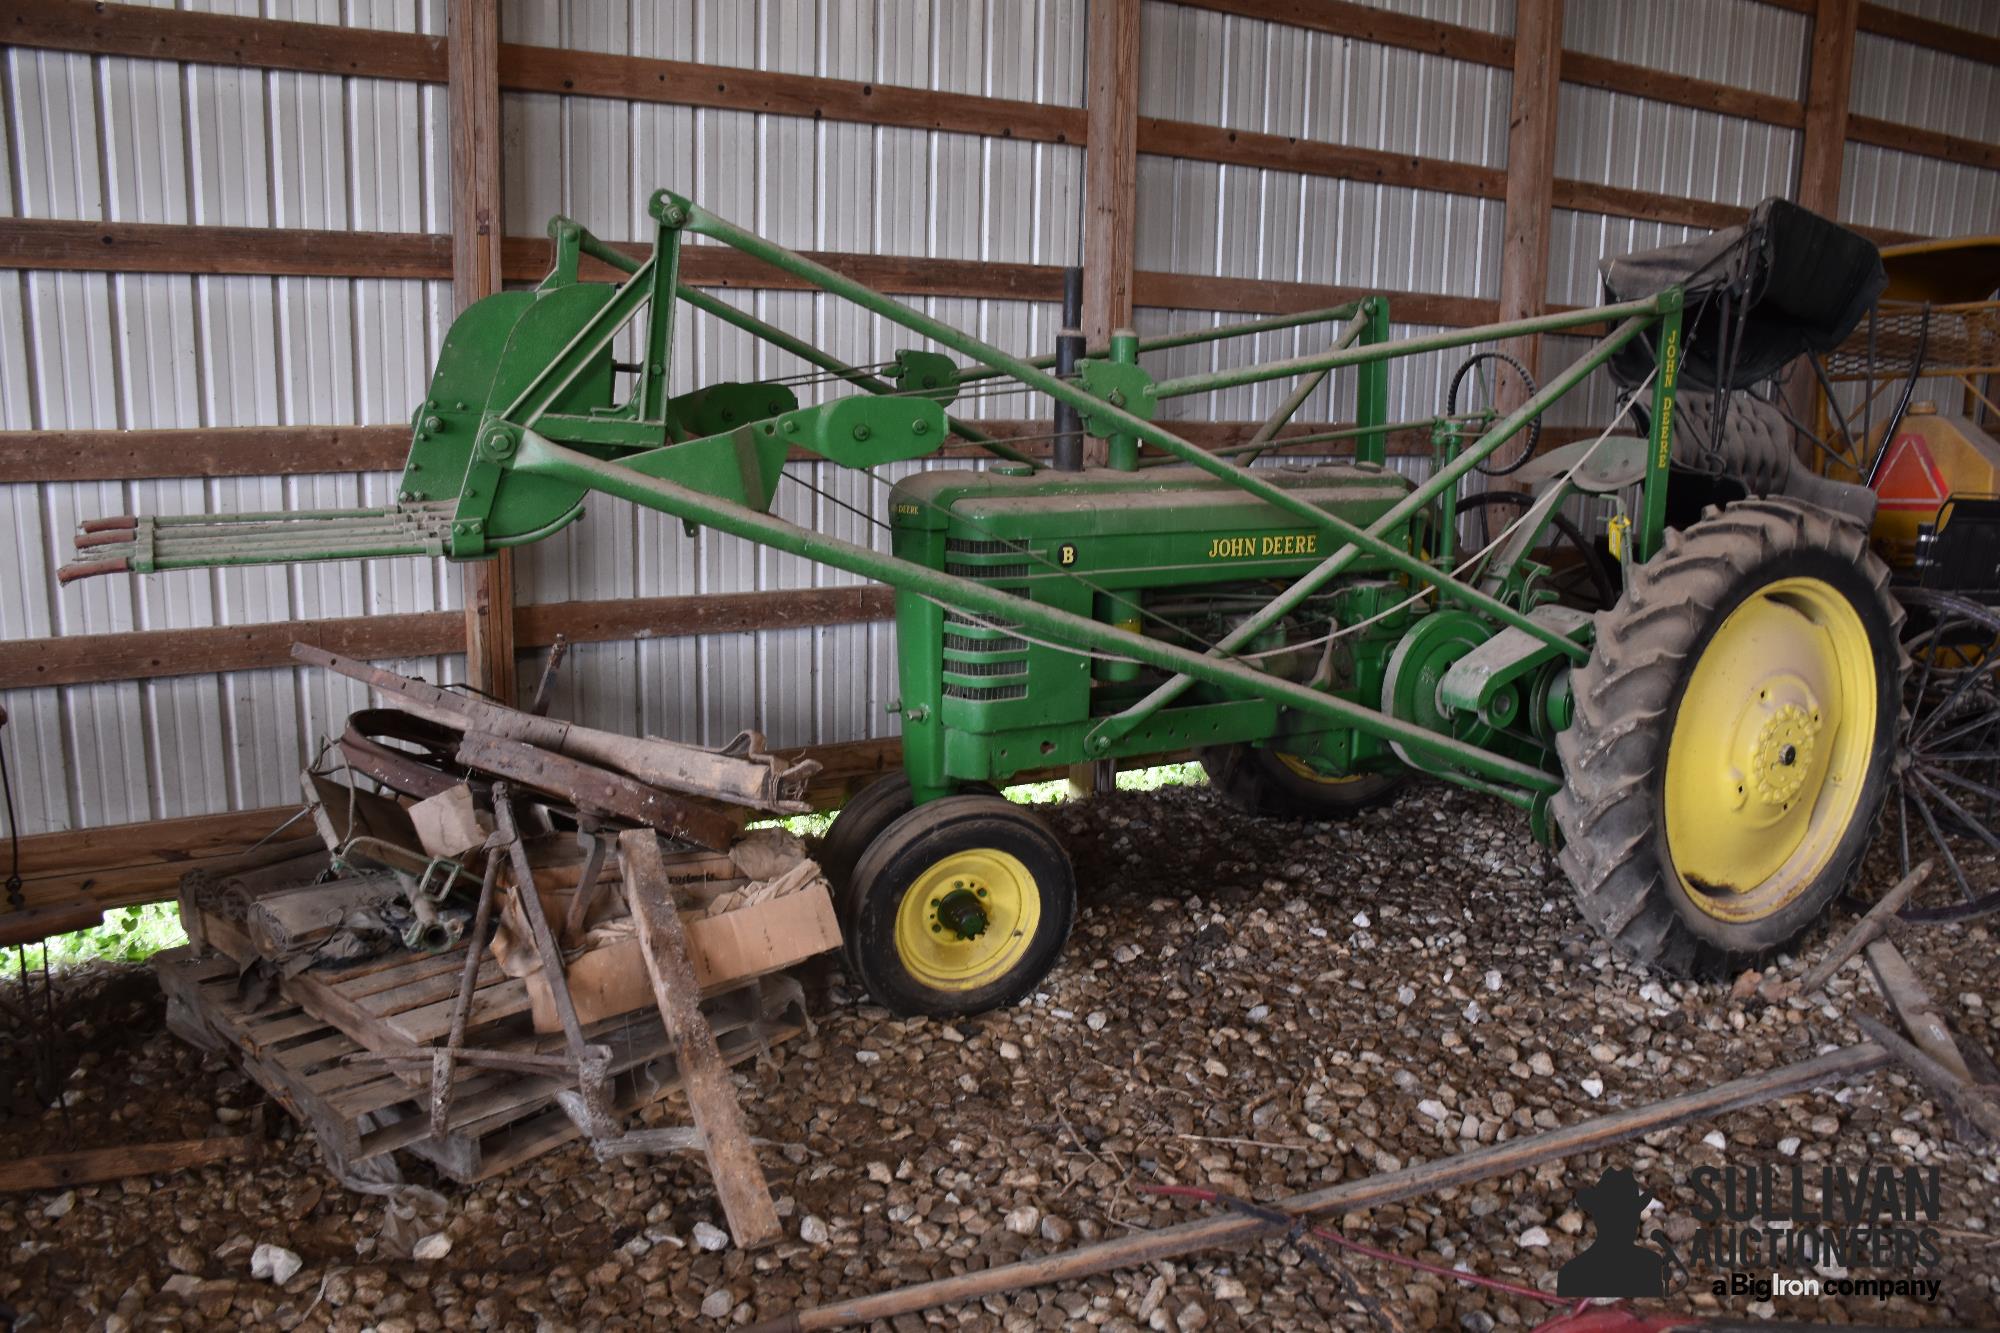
x,y
1710,750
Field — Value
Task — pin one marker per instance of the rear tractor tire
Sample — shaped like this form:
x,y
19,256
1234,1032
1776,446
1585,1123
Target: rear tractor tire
x,y
1261,781
959,906
1734,737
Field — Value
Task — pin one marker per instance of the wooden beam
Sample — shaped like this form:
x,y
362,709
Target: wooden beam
x,y
472,29
1259,296
146,33
732,1158
1828,81
1899,26
146,247
682,83
1679,89
81,659
1616,201
1366,23
32,925
615,621
89,1166
1111,168
1924,143
240,451
527,259
1531,150
1314,157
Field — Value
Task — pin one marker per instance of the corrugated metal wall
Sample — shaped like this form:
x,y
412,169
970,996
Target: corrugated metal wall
x,y
1251,222
136,140
152,141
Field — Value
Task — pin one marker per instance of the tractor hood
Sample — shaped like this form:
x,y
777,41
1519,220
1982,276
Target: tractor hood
x,y
1807,281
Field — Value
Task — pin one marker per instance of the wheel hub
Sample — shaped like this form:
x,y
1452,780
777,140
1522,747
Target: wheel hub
x,y
960,911
1784,754
967,918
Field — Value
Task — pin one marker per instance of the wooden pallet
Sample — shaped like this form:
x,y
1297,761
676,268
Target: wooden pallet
x,y
309,1047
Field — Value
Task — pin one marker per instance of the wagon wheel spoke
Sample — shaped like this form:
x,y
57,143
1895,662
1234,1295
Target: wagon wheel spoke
x,y
1949,769
1951,863
1965,817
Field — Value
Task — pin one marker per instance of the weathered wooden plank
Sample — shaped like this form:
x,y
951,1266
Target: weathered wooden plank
x,y
1899,26
1679,89
1924,143
681,83
1367,23
231,451
58,1170
1617,201
32,925
732,1159
147,33
149,247
1315,157
1259,296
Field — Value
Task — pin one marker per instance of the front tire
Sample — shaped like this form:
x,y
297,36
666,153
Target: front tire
x,y
1734,732
963,906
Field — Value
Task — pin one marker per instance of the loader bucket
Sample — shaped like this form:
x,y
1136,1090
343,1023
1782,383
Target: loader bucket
x,y
492,351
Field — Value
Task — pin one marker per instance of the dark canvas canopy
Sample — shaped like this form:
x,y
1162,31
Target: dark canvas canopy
x,y
1807,283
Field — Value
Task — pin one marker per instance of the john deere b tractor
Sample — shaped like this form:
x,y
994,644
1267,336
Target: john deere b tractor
x,y
1710,748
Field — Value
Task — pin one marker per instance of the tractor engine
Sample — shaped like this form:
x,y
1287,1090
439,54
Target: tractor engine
x,y
1168,552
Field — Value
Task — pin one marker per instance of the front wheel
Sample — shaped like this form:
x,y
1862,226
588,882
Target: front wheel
x,y
1733,739
963,906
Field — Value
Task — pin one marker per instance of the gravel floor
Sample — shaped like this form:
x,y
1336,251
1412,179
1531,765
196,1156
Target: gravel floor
x,y
1254,1006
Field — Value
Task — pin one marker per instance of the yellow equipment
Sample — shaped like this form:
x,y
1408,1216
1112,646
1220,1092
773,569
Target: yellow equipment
x,y
1936,328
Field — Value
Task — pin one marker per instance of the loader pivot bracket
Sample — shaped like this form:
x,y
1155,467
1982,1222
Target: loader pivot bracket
x,y
931,374
1122,385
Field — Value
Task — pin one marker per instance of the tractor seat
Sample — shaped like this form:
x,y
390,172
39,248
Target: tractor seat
x,y
1757,451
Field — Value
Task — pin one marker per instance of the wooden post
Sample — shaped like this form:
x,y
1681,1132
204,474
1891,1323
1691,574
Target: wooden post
x,y
1111,169
732,1160
1531,177
1828,80
1827,84
1110,213
472,47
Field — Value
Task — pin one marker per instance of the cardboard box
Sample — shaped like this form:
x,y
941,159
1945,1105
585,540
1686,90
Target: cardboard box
x,y
726,950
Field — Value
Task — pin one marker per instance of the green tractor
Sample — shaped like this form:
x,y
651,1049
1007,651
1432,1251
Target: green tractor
x,y
1709,749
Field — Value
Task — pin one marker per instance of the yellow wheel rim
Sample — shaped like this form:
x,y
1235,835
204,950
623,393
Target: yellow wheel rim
x,y
1770,749
1311,774
967,919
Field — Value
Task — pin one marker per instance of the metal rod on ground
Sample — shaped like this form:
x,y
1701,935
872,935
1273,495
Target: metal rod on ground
x,y
446,1057
1967,1098
1426,1178
1882,916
